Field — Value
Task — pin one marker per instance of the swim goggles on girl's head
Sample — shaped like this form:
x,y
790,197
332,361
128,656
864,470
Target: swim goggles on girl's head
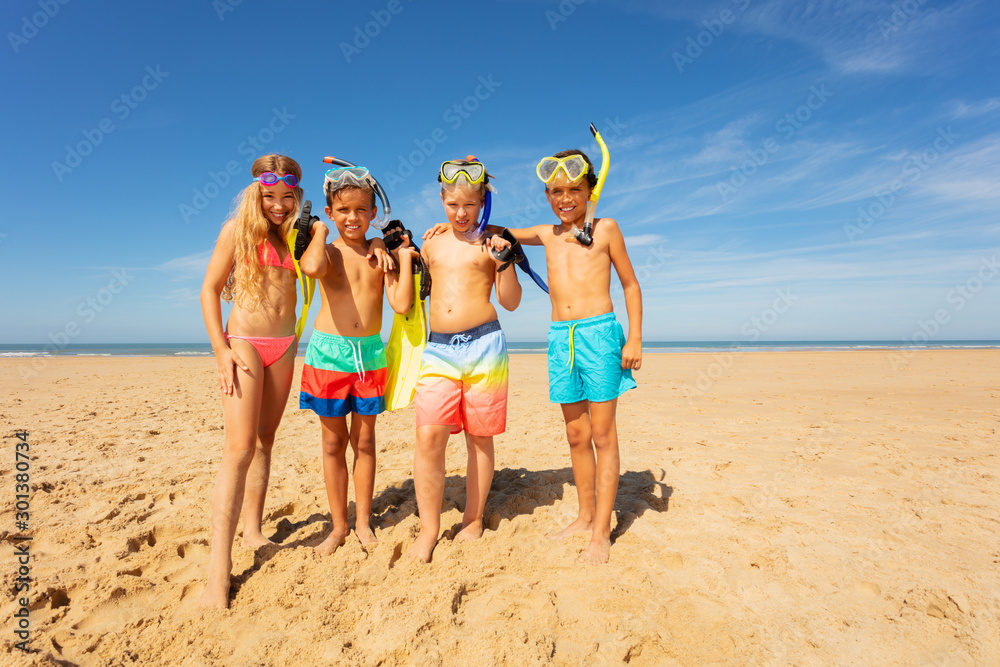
x,y
271,178
574,166
339,177
474,171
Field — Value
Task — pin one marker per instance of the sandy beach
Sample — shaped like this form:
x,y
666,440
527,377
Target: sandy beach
x,y
806,508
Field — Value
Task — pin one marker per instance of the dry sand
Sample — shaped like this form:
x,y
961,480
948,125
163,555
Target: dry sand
x,y
804,508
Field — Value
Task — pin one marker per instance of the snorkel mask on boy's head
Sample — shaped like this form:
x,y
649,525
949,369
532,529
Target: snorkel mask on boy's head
x,y
575,165
472,171
347,174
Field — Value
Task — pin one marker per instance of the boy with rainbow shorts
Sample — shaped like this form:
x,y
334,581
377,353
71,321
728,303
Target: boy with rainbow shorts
x,y
463,373
345,365
590,359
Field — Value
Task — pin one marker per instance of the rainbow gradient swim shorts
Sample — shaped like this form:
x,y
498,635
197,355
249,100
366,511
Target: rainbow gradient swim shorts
x,y
463,381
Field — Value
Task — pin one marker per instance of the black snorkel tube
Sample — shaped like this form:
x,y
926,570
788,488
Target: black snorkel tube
x,y
586,235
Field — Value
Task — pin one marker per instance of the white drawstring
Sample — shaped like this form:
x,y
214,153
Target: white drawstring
x,y
359,364
460,338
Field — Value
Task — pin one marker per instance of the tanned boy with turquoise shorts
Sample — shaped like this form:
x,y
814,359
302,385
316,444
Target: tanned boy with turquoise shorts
x,y
590,359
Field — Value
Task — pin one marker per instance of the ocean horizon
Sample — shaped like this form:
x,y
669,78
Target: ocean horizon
x,y
14,350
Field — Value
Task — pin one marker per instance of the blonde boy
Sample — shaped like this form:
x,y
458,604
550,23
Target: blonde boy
x,y
463,373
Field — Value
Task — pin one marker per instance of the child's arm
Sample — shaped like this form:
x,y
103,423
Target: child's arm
x,y
632,350
528,235
219,267
439,228
399,286
507,286
377,249
314,262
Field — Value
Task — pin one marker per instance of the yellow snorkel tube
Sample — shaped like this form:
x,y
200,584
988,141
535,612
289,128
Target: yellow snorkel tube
x,y
298,240
586,235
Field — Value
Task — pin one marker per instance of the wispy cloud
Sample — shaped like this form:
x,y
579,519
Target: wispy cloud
x,y
961,109
186,267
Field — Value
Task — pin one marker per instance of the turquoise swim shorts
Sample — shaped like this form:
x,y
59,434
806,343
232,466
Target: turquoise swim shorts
x,y
585,360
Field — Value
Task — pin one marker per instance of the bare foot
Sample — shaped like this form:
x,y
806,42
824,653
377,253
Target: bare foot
x,y
422,549
365,535
216,594
577,526
333,542
255,541
471,532
596,552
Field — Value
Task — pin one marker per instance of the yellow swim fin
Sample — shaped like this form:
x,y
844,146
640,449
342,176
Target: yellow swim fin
x,y
307,285
404,349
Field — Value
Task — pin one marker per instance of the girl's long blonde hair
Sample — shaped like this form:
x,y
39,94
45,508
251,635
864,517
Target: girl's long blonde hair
x,y
245,285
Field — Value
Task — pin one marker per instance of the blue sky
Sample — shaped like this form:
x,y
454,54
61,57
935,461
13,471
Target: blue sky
x,y
781,169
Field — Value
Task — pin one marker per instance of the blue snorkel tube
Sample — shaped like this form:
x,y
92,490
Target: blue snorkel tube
x,y
477,233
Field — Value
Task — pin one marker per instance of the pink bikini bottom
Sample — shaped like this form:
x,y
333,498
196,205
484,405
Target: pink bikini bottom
x,y
270,349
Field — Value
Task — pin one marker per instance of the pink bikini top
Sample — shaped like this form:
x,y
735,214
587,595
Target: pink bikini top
x,y
268,256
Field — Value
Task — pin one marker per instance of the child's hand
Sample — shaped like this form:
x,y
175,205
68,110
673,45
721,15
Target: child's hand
x,y
319,229
495,244
408,250
381,255
439,228
225,360
632,355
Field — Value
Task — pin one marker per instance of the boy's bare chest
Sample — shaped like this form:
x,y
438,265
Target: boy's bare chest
x,y
349,270
460,257
568,258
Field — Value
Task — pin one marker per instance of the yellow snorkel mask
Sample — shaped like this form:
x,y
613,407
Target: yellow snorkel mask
x,y
575,167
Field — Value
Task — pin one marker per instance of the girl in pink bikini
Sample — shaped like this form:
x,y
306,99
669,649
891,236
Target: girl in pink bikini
x,y
255,352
